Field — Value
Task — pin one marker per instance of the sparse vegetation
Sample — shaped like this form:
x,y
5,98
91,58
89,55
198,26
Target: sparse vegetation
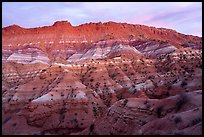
x,y
92,80
182,99
91,128
95,111
134,91
159,110
147,104
177,119
184,83
195,121
169,88
125,102
62,94
174,81
14,124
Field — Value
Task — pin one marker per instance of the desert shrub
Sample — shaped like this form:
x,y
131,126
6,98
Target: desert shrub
x,y
91,128
183,72
200,66
159,111
151,77
14,124
134,91
186,90
142,60
119,97
95,111
125,102
180,102
147,104
184,83
177,120
195,121
132,74
169,88
9,99
91,80
174,81
113,75
133,86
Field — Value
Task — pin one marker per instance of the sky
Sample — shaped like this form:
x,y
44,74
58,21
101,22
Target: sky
x,y
184,17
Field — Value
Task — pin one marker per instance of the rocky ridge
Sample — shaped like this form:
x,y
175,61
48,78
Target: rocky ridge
x,y
65,42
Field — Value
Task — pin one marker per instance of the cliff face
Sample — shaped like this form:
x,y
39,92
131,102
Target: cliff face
x,y
78,43
93,32
100,78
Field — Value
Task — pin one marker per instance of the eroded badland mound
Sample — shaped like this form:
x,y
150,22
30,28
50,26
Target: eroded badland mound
x,y
100,78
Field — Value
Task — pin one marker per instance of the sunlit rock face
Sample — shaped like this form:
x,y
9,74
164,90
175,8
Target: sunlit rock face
x,y
27,56
100,78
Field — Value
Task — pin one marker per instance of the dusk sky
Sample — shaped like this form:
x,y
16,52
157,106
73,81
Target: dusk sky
x,y
184,17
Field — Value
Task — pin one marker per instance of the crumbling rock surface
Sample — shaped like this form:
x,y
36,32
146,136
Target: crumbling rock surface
x,y
179,114
100,78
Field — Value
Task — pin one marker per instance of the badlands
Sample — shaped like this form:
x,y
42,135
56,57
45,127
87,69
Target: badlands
x,y
100,79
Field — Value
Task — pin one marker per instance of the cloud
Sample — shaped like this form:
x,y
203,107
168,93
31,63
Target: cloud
x,y
176,14
158,14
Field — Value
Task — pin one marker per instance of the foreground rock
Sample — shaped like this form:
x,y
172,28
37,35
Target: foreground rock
x,y
175,115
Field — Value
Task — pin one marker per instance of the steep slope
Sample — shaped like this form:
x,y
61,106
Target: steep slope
x,y
176,115
62,41
65,93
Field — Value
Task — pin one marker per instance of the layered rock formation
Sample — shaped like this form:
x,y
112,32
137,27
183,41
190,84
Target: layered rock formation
x,y
62,41
100,78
